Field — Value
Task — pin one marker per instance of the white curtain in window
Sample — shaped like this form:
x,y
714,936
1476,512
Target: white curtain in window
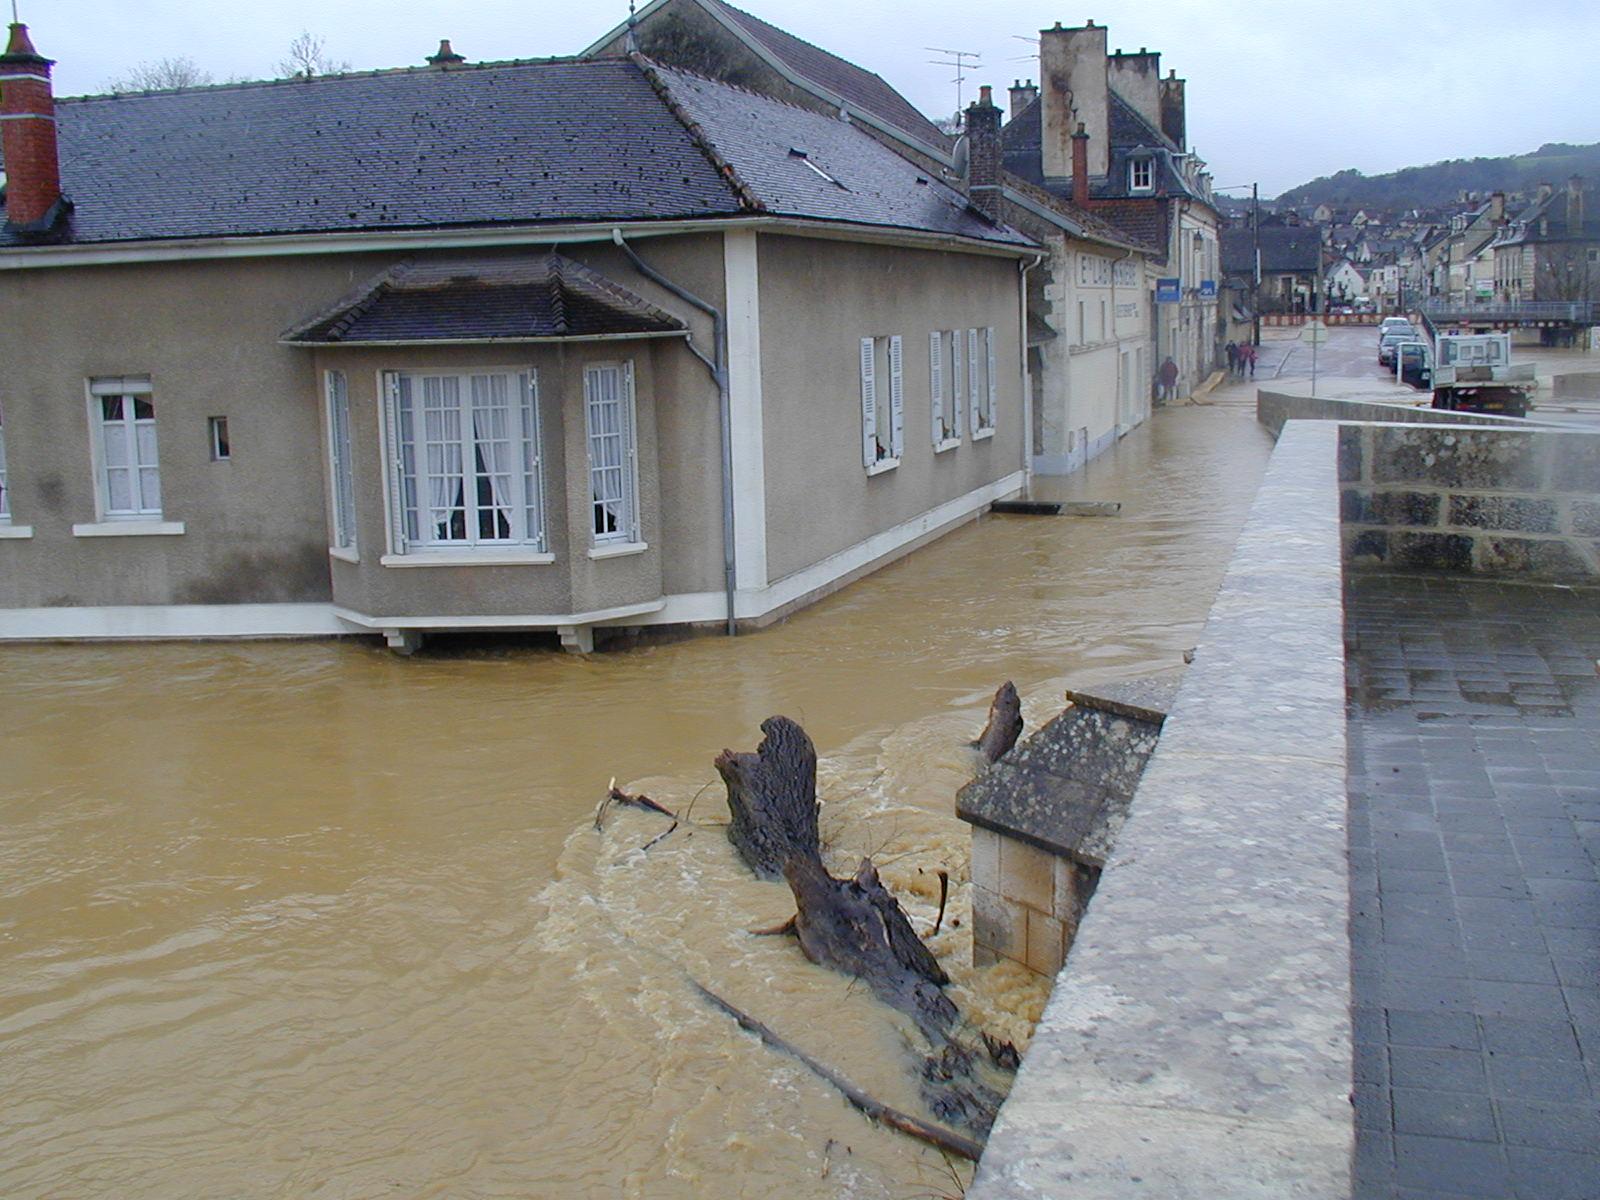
x,y
441,440
491,433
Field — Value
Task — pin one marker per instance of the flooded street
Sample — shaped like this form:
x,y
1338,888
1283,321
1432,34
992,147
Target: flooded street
x,y
310,920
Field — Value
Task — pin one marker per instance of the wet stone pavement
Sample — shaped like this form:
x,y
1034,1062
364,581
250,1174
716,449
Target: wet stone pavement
x,y
1474,779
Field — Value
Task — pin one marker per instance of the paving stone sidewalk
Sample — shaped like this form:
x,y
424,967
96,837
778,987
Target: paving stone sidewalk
x,y
1474,778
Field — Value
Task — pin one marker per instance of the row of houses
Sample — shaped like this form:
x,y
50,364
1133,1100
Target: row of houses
x,y
689,329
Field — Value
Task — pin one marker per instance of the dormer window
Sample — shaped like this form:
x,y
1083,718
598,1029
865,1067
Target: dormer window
x,y
1141,175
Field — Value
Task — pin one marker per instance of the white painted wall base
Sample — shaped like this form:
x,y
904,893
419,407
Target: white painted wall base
x,y
193,621
137,622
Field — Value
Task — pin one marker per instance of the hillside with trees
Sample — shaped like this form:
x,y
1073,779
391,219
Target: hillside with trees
x,y
1442,182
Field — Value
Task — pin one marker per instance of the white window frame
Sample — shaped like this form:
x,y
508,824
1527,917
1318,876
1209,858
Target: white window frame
x,y
981,384
5,487
342,538
406,436
219,438
877,457
945,365
131,390
626,537
1141,168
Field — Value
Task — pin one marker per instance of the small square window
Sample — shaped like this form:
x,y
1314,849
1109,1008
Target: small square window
x,y
1141,175
219,438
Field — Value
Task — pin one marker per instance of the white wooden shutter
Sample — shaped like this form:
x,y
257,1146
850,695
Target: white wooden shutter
x,y
988,337
936,376
897,398
869,407
397,474
972,379
958,385
630,431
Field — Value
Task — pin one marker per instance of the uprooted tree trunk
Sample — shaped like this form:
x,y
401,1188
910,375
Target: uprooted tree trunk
x,y
851,925
1005,723
773,797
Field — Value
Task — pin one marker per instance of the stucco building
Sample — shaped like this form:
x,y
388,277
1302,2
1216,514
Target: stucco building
x,y
1110,134
1089,297
564,344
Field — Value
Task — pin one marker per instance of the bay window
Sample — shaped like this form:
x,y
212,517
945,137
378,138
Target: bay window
x,y
465,461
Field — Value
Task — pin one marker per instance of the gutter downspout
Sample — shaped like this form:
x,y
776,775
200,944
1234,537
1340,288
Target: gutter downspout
x,y
719,373
1023,267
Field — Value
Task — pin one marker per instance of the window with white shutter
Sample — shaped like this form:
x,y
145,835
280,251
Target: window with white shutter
x,y
5,489
882,403
946,362
975,368
343,473
983,383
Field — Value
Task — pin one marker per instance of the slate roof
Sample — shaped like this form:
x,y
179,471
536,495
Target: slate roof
x,y
1142,218
850,177
520,142
1284,249
1021,140
484,299
859,87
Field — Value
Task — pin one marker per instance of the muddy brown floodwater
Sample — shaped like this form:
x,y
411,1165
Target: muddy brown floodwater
x,y
309,920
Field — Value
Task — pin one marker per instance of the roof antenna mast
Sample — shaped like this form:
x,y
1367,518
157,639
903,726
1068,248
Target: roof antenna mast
x,y
960,60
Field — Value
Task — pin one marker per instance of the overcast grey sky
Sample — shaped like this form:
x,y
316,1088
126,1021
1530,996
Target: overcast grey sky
x,y
1279,92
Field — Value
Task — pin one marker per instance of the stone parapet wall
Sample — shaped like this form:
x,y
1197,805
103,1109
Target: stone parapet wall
x,y
1198,1042
1274,408
1521,503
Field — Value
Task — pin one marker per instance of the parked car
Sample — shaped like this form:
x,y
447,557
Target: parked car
x,y
1389,341
1395,325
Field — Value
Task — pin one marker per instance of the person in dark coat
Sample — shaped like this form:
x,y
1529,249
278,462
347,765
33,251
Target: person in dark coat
x,y
1232,351
1168,377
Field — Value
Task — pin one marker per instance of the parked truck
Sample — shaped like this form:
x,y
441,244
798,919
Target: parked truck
x,y
1473,372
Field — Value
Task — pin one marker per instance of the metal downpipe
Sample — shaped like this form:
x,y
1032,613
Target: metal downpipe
x,y
719,373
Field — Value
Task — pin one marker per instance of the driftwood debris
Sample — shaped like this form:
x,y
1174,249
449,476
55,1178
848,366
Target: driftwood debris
x,y
945,1139
1005,723
615,795
851,925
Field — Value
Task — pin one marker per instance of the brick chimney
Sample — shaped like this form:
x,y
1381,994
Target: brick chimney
x,y
1072,81
1080,167
28,133
446,58
1575,206
1173,121
1022,95
984,153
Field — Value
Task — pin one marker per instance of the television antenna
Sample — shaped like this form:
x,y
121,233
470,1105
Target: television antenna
x,y
960,60
1032,41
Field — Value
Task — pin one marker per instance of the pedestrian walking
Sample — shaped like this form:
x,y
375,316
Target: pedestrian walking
x,y
1168,376
1250,353
1232,351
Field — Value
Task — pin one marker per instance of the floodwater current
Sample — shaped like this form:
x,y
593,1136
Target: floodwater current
x,y
311,920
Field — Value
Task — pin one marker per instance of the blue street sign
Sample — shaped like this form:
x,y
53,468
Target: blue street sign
x,y
1208,289
1168,291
